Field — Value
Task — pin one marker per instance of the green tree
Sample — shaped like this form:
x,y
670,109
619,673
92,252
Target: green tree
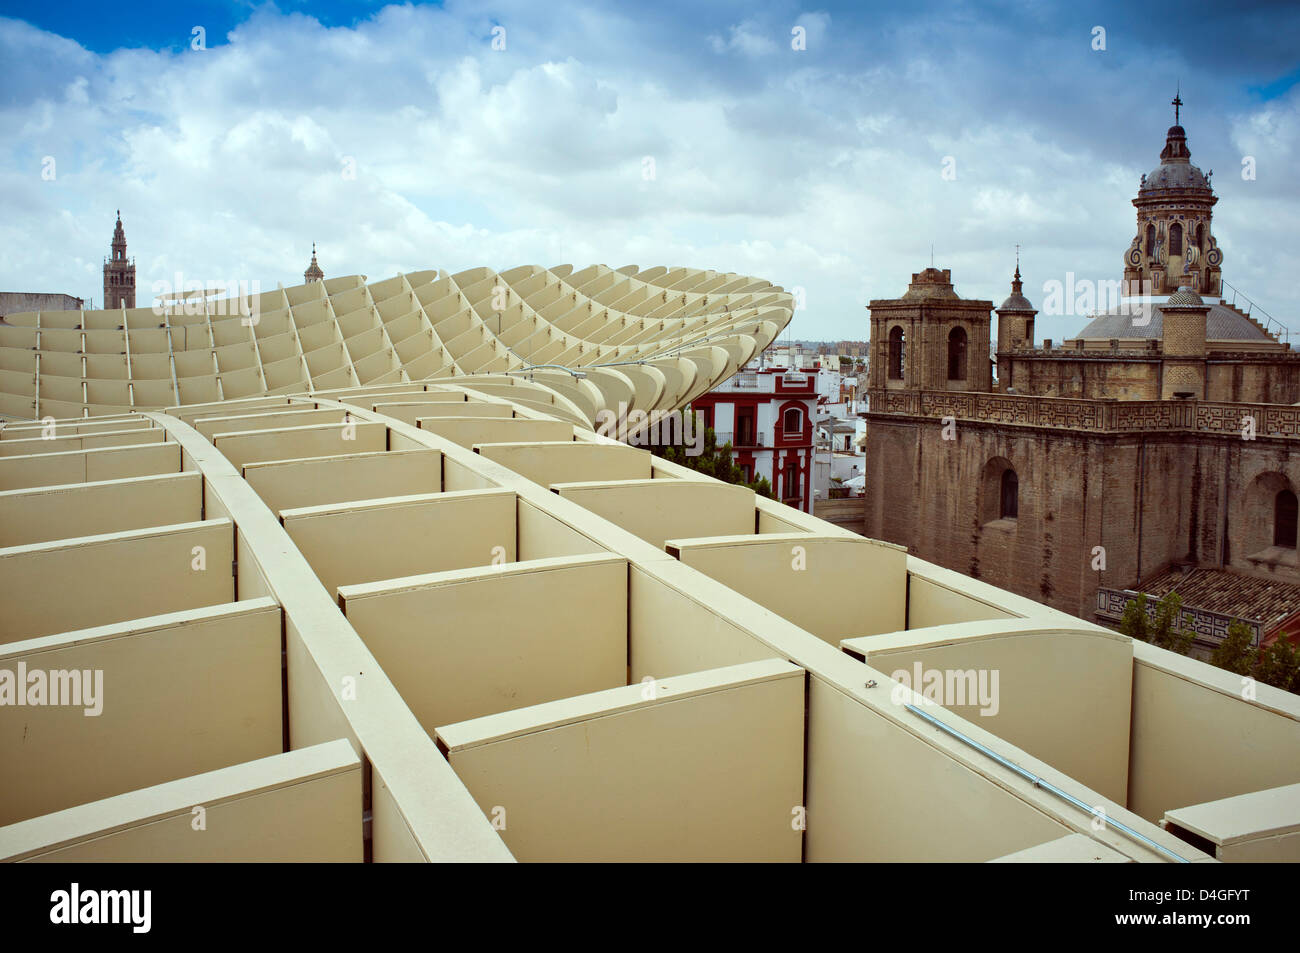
x,y
1279,665
1135,622
1166,634
1235,652
1164,631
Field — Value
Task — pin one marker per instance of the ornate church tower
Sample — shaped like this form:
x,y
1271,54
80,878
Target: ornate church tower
x,y
119,274
1173,247
313,272
1015,328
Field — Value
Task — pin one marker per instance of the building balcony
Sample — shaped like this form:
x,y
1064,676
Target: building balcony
x,y
744,440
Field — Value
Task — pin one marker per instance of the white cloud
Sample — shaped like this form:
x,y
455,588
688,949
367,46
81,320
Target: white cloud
x,y
819,169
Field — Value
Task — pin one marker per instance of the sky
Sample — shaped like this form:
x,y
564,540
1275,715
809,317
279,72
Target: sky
x,y
825,148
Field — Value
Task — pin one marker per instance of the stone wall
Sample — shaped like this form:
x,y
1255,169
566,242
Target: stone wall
x,y
1146,499
1134,378
15,302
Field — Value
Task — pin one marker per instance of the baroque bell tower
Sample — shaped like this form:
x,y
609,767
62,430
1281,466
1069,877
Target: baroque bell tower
x,y
119,273
1174,247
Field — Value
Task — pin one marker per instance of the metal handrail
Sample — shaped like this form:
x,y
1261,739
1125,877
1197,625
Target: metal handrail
x,y
1269,320
1038,782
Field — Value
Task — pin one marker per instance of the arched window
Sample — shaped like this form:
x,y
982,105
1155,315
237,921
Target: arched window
x,y
1200,236
1151,239
1010,501
1285,512
897,353
957,354
1175,239
793,421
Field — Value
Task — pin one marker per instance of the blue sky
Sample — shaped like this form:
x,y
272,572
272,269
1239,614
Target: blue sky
x,y
819,168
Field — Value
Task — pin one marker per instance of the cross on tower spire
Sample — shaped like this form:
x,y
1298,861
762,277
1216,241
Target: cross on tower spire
x,y
1177,102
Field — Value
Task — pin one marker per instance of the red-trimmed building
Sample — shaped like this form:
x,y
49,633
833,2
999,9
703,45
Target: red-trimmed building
x,y
767,416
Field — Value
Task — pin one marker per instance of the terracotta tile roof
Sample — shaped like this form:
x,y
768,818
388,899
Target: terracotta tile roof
x,y
1231,593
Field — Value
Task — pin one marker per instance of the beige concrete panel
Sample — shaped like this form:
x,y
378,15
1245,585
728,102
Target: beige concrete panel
x,y
315,481
1071,849
409,411
474,642
457,475
76,425
245,423
776,517
41,514
391,839
316,440
238,408
971,600
250,578
468,431
577,781
316,712
906,802
366,541
175,695
931,604
1196,739
337,689
658,510
834,588
559,410
569,461
543,536
403,398
296,807
467,409
1281,849
118,576
1061,695
1263,826
88,466
91,441
671,633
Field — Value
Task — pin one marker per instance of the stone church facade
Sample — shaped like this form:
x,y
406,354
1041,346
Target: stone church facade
x,y
1163,435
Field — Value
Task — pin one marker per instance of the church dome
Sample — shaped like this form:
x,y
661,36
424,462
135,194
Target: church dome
x,y
313,272
1175,171
1185,298
1168,176
1222,323
1016,301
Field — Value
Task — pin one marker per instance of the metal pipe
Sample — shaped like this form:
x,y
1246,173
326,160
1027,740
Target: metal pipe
x,y
1038,782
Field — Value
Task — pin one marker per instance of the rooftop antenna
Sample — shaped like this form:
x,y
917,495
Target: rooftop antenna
x,y
931,254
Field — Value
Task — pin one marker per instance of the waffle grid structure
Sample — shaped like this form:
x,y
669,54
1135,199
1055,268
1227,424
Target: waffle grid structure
x,y
413,607
591,339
